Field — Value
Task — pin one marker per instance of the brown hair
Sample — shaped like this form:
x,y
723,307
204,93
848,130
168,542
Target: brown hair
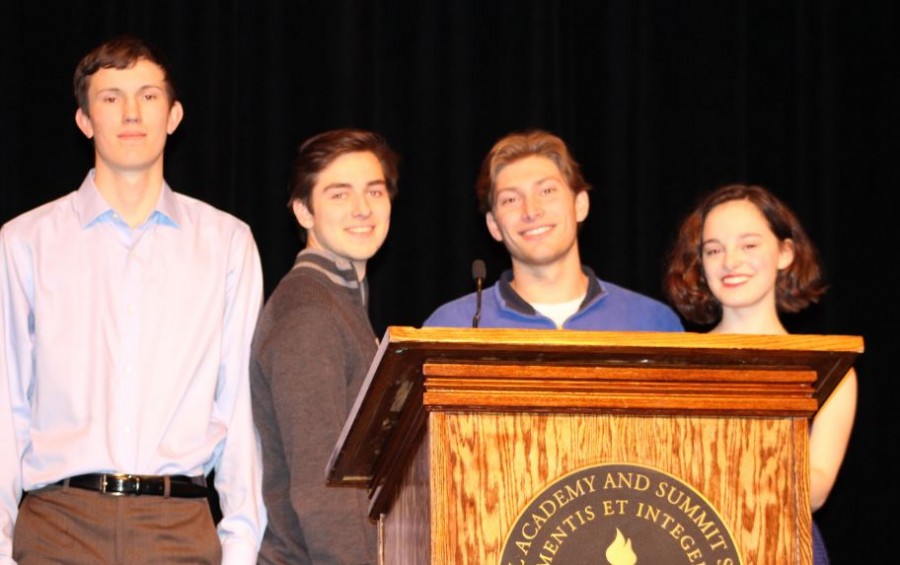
x,y
317,152
517,146
118,53
796,287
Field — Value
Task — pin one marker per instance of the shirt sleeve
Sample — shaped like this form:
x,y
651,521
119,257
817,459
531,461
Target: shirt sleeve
x,y
453,314
15,374
671,321
238,477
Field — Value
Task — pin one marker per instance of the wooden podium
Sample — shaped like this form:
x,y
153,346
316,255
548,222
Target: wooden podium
x,y
457,431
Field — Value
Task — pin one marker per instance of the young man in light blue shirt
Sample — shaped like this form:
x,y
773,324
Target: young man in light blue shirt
x,y
127,311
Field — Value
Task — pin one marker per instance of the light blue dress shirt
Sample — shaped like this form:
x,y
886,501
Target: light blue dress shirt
x,y
127,350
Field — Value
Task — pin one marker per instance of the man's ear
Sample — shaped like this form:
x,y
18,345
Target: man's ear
x,y
176,113
303,214
785,254
493,227
84,123
582,205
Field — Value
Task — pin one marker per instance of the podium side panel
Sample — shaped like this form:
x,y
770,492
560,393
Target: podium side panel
x,y
406,527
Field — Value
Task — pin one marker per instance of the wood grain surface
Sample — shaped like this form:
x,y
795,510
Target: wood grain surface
x,y
456,431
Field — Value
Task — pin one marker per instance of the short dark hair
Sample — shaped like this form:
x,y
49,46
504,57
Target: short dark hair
x,y
317,152
519,145
118,53
796,287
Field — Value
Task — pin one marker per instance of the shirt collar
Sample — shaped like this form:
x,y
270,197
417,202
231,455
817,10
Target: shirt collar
x,y
595,291
340,269
91,207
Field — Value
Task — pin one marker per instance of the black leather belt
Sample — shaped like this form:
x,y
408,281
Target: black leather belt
x,y
180,486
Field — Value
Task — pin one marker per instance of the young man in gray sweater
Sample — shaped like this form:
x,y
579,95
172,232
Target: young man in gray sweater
x,y
313,346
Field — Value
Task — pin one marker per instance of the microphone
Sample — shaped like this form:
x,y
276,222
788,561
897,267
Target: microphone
x,y
479,271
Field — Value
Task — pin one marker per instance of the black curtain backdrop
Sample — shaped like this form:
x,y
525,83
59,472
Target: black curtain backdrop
x,y
659,101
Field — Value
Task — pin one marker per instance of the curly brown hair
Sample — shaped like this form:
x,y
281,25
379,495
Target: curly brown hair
x,y
797,286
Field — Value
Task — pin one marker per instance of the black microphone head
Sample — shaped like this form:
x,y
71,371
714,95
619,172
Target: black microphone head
x,y
479,271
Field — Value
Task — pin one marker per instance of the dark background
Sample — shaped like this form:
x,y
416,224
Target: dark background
x,y
659,101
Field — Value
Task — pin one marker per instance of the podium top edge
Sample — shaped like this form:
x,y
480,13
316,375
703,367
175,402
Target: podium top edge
x,y
409,336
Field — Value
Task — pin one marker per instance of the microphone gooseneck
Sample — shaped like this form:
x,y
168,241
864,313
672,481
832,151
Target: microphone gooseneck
x,y
479,272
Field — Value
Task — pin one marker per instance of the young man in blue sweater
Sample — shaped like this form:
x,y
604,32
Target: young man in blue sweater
x,y
534,197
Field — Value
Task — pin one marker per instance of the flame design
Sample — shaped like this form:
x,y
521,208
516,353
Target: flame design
x,y
619,551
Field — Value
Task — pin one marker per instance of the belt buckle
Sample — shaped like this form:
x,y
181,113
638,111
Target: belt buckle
x,y
120,485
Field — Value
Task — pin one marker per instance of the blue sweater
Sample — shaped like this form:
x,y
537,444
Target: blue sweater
x,y
606,307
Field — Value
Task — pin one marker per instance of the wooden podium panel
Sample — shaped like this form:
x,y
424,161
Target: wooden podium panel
x,y
457,430
715,455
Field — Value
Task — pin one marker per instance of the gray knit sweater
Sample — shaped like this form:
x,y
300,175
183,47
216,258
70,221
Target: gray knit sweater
x,y
312,348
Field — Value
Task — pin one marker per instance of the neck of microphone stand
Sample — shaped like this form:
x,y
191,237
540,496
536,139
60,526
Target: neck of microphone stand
x,y
477,317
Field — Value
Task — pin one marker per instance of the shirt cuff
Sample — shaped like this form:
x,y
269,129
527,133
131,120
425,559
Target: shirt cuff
x,y
239,552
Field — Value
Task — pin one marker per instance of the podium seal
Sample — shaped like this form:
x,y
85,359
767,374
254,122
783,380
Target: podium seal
x,y
619,514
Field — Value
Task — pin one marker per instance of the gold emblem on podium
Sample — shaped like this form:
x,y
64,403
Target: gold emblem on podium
x,y
619,514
